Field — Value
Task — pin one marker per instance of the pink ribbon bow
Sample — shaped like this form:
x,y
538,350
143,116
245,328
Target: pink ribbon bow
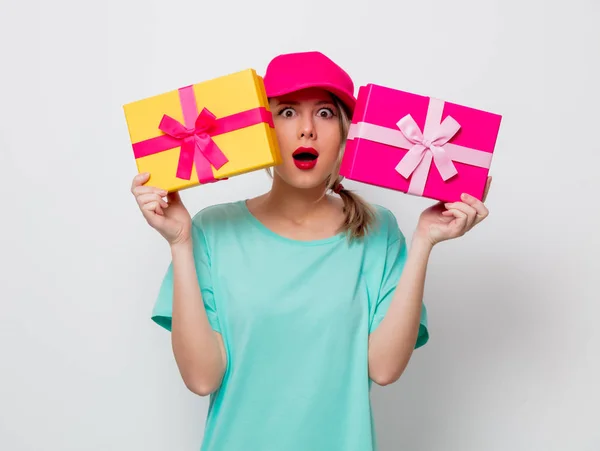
x,y
438,137
197,146
424,148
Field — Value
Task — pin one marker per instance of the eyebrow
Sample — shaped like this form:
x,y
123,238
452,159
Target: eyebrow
x,y
293,102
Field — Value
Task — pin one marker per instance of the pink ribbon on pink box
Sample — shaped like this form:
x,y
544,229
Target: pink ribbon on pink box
x,y
195,137
424,147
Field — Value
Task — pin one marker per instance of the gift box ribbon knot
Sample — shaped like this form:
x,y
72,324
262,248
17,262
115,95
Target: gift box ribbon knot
x,y
195,136
427,147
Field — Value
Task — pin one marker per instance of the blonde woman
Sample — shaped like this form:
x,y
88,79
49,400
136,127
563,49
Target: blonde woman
x,y
284,308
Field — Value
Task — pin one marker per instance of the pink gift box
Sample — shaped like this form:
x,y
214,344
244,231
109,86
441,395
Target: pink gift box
x,y
419,145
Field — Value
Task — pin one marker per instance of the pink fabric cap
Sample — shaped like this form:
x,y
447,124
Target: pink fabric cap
x,y
296,71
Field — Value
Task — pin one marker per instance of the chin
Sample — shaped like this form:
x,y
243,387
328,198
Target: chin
x,y
300,179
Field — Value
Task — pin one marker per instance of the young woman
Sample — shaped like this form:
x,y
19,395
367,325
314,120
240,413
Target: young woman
x,y
285,307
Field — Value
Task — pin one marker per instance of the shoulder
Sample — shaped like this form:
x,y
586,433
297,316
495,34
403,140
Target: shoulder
x,y
216,216
385,227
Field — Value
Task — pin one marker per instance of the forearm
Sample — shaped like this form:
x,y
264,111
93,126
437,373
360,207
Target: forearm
x,y
195,344
392,343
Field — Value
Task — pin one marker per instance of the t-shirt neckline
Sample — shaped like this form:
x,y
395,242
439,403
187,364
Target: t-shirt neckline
x,y
264,229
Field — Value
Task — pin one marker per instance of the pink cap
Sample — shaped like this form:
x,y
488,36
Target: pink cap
x,y
295,71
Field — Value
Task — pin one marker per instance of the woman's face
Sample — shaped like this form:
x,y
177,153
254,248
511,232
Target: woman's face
x,y
308,130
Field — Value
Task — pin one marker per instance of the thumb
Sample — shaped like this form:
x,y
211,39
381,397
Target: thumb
x,y
174,198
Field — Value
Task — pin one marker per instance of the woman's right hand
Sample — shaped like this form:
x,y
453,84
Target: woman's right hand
x,y
170,218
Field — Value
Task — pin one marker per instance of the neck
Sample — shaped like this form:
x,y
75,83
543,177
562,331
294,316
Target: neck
x,y
295,204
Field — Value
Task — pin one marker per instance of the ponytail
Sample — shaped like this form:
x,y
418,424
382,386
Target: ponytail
x,y
360,216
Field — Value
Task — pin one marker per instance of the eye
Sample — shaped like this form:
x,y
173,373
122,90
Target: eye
x,y
326,113
287,112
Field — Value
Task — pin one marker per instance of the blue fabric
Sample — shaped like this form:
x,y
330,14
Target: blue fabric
x,y
295,317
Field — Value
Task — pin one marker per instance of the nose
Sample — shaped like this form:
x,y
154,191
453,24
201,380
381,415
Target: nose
x,y
307,129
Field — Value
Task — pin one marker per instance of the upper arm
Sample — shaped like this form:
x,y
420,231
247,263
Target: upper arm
x,y
394,260
222,349
163,306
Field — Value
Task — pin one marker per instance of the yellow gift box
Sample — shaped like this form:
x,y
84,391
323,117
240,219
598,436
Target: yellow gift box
x,y
204,132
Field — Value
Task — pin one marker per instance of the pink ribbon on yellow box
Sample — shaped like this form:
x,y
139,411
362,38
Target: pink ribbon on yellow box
x,y
424,147
195,136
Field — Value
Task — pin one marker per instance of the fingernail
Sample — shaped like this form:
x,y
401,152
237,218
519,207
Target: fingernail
x,y
465,196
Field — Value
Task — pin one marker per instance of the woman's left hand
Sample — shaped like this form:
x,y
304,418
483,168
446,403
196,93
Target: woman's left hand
x,y
445,221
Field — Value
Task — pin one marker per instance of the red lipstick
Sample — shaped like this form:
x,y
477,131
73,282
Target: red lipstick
x,y
305,158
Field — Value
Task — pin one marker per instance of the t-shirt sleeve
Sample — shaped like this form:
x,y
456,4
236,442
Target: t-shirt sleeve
x,y
163,307
395,259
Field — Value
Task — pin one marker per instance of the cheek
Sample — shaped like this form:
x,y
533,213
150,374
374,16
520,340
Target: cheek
x,y
285,133
330,140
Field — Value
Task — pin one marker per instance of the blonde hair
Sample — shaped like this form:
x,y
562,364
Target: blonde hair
x,y
360,215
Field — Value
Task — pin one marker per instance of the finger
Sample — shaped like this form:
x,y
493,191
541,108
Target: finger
x,y
487,188
151,197
139,180
480,208
139,190
152,207
174,197
153,218
459,220
467,209
455,213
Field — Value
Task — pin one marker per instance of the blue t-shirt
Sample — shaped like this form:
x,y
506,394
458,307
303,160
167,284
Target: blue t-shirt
x,y
295,317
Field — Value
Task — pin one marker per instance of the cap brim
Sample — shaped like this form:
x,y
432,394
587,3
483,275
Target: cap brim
x,y
348,101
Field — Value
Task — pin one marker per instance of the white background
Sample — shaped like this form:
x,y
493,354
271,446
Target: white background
x,y
513,359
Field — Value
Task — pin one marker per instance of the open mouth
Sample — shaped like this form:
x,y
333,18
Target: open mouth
x,y
305,154
305,158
